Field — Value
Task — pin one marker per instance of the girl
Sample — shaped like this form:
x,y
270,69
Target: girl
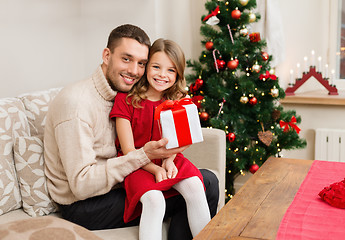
x,y
147,187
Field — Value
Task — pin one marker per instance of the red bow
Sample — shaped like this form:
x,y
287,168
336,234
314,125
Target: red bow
x,y
268,75
213,13
170,104
292,124
254,37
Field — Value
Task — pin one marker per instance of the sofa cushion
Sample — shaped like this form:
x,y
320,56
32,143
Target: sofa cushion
x,y
29,163
13,123
36,107
46,227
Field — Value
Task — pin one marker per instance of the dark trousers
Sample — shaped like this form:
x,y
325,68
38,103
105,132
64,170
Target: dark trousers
x,y
106,211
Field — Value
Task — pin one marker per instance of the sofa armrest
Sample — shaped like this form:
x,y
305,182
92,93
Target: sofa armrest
x,y
211,154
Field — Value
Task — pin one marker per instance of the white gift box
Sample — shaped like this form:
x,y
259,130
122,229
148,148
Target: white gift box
x,y
181,125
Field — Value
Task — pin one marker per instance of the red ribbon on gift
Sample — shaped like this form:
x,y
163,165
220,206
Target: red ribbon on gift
x,y
292,124
268,76
180,118
213,13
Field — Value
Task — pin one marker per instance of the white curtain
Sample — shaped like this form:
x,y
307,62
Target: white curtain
x,y
271,29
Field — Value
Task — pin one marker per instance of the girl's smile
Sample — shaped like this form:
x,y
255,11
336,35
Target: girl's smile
x,y
161,75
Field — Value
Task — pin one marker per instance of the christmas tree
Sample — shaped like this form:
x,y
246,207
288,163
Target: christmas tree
x,y
237,91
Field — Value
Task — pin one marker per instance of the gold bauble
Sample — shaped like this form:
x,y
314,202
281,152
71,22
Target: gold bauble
x,y
244,99
244,31
256,68
244,2
275,92
252,17
272,71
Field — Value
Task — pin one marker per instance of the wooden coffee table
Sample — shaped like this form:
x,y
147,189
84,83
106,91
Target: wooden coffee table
x,y
255,212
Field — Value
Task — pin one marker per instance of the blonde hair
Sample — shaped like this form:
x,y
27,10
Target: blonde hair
x,y
176,91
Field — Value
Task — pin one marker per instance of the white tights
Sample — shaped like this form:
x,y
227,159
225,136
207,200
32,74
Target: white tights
x,y
153,211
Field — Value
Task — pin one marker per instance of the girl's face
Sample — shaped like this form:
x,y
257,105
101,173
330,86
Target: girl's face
x,y
161,75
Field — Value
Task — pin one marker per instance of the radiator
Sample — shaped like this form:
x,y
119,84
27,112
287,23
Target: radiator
x,y
330,144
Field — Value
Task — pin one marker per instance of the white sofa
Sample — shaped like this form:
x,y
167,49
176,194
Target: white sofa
x,y
23,194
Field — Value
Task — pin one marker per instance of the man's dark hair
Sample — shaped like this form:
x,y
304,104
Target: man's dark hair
x,y
127,31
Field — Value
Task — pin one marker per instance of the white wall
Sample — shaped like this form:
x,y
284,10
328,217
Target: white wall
x,y
50,43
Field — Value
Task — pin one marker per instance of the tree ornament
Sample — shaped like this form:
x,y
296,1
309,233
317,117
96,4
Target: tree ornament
x,y
221,107
192,88
220,63
196,86
254,37
197,100
267,76
231,136
256,67
209,45
244,31
199,82
275,92
265,137
252,17
265,56
253,168
236,14
244,2
275,114
230,33
244,99
212,19
204,116
272,71
253,101
290,125
233,63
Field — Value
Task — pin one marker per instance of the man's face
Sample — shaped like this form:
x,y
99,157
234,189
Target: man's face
x,y
126,65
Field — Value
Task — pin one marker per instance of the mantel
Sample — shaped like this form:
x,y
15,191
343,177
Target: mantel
x,y
315,98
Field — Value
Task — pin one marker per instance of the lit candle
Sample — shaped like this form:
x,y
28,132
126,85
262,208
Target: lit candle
x,y
292,80
312,58
332,77
326,71
306,64
299,73
319,65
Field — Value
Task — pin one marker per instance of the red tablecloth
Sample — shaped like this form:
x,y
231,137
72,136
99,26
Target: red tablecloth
x,y
308,217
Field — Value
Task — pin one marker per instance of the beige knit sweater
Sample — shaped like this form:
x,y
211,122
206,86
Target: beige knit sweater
x,y
79,144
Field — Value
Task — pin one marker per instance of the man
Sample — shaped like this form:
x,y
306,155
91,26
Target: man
x,y
84,174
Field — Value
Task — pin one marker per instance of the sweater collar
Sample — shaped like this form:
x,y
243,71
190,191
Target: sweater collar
x,y
102,85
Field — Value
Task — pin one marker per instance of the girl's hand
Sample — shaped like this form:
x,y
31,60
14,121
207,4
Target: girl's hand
x,y
160,174
170,167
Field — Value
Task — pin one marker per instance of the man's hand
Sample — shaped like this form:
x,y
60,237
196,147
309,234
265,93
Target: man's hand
x,y
157,150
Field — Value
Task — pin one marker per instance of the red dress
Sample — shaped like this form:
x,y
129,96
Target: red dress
x,y
144,130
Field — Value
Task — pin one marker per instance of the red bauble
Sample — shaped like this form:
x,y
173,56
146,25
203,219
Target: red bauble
x,y
197,100
253,168
204,116
209,45
198,83
253,101
232,64
231,136
236,14
265,56
221,64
